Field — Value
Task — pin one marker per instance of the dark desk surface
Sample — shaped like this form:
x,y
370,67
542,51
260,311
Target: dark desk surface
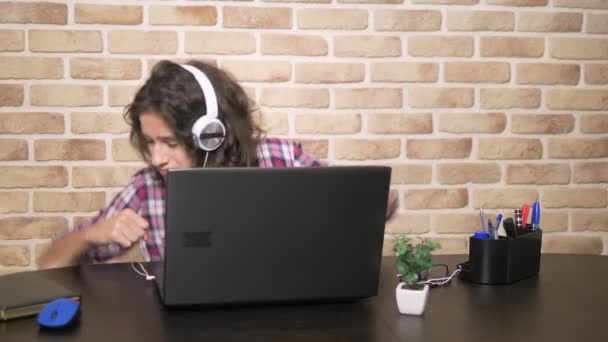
x,y
568,301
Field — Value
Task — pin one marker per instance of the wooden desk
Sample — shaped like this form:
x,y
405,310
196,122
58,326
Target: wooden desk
x,y
568,301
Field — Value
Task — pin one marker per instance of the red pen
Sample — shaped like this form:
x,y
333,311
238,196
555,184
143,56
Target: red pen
x,y
525,210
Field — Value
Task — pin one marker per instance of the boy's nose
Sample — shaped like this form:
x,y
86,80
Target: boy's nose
x,y
158,156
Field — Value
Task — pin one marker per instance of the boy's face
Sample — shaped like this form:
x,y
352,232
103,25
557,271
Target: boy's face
x,y
164,149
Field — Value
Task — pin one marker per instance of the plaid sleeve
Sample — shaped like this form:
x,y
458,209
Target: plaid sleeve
x,y
127,198
303,159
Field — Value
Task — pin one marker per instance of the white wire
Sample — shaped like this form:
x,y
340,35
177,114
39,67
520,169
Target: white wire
x,y
145,273
205,162
443,280
440,281
136,270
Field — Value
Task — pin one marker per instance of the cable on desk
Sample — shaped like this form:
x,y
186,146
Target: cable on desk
x,y
440,281
432,282
143,271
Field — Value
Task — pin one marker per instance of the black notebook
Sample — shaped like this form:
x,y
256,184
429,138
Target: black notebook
x,y
25,294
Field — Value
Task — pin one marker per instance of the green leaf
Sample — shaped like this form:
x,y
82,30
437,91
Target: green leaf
x,y
413,260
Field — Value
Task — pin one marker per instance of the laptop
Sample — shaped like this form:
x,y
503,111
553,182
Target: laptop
x,y
262,235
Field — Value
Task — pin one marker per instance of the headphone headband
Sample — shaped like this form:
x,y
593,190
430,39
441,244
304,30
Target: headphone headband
x,y
206,87
208,132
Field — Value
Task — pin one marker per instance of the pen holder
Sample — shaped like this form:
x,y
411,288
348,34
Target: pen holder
x,y
502,261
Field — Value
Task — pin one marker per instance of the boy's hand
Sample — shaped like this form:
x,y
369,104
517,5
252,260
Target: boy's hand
x,y
125,228
393,203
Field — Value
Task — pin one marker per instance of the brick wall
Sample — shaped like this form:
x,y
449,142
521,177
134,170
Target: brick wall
x,y
473,103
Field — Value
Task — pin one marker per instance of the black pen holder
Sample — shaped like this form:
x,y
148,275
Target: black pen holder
x,y
503,261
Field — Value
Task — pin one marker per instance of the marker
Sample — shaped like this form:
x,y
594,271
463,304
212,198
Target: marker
x,y
536,216
525,211
509,227
518,218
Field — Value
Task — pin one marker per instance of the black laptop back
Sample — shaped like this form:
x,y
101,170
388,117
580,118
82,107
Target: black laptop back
x,y
253,235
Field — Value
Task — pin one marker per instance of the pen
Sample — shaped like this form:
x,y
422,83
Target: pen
x,y
533,213
498,220
483,221
482,218
491,230
536,216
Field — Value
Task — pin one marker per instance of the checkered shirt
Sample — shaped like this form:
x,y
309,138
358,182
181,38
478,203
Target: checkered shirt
x,y
145,195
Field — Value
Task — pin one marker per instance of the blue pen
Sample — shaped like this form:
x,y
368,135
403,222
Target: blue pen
x,y
536,216
491,230
490,234
533,214
498,220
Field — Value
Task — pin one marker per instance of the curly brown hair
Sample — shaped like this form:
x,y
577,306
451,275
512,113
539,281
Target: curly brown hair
x,y
173,93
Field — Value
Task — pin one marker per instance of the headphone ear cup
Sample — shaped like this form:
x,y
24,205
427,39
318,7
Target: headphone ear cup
x,y
209,133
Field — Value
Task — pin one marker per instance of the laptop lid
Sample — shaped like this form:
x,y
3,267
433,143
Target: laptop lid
x,y
252,235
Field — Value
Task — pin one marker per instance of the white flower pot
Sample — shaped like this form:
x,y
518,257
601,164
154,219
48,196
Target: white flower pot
x,y
411,302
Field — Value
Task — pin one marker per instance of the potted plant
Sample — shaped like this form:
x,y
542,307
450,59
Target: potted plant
x,y
411,262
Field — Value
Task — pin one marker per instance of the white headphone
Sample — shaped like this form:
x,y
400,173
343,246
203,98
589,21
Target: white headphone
x,y
208,131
